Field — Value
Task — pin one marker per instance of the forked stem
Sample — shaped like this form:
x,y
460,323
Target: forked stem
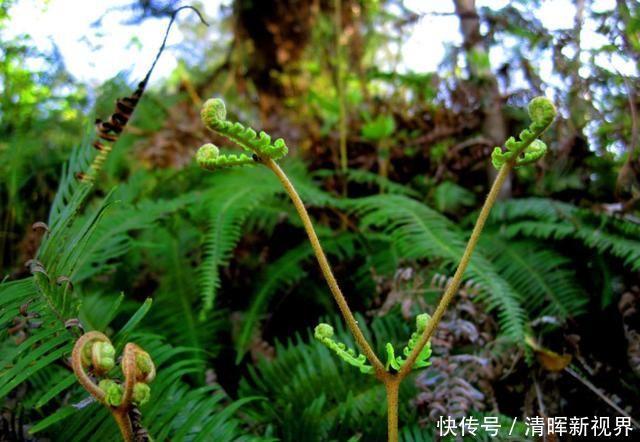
x,y
326,268
392,382
526,150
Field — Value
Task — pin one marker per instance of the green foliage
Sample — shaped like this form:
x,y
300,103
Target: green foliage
x,y
547,219
420,233
209,157
543,277
228,204
422,360
282,273
298,404
324,333
449,197
177,411
234,244
379,128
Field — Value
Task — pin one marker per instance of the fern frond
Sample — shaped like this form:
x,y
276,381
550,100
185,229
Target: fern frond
x,y
112,237
543,218
209,157
324,333
71,191
421,233
41,347
228,203
541,275
177,295
297,399
450,197
176,411
528,148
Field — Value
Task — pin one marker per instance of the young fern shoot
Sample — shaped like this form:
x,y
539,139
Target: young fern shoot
x,y
93,351
267,153
526,150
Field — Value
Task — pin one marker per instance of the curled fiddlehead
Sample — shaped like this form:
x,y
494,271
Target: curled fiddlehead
x,y
93,357
209,157
423,357
324,333
214,116
528,148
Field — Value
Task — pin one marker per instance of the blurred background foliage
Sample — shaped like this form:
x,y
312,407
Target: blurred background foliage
x,y
234,286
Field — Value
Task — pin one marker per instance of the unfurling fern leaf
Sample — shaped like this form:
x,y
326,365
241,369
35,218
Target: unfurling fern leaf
x,y
214,116
209,157
177,411
298,400
528,149
324,333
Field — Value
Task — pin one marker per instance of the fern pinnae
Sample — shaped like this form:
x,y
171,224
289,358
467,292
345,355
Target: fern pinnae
x,y
324,333
544,218
422,233
226,218
542,276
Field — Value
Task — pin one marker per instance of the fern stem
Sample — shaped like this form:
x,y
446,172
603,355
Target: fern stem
x,y
124,423
129,370
453,286
326,268
78,368
392,386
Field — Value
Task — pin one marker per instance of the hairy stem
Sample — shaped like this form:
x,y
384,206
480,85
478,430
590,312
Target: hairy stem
x,y
124,423
326,268
78,368
452,288
129,371
392,386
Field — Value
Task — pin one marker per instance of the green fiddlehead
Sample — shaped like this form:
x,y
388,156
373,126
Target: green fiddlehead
x,y
423,358
324,334
396,362
93,351
209,157
214,116
528,148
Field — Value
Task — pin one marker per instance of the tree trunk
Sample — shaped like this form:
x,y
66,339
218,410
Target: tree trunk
x,y
493,126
